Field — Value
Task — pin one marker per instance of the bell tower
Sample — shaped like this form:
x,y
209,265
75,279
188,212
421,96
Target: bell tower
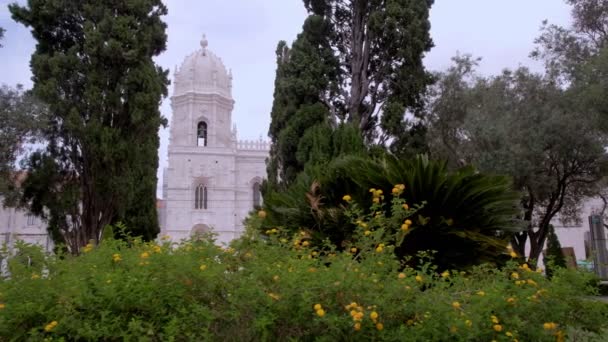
x,y
202,101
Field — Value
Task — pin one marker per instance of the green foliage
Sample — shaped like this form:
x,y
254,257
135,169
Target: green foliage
x,y
270,291
465,216
554,256
94,68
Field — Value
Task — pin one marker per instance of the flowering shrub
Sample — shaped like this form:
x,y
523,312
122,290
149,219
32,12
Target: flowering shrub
x,y
286,286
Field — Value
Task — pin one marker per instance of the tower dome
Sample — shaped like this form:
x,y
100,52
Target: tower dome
x,y
202,72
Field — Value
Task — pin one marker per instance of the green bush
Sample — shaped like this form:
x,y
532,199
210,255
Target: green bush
x,y
284,286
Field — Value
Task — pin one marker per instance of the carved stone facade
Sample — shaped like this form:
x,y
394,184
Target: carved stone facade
x,y
212,181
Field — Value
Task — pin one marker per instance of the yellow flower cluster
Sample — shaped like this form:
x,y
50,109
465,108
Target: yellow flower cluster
x,y
419,278
116,257
406,225
445,274
380,248
376,195
87,248
274,296
398,189
347,198
319,310
550,326
50,326
272,231
144,255
456,305
262,214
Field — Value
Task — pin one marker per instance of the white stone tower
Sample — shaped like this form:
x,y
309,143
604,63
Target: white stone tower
x,y
212,181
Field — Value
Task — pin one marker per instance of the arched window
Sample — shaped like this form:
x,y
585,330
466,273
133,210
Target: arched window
x,y
201,134
200,197
256,195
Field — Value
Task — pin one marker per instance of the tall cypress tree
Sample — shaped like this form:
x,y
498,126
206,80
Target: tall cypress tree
x,y
94,67
357,62
304,85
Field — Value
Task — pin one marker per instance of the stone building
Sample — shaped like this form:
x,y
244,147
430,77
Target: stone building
x,y
213,179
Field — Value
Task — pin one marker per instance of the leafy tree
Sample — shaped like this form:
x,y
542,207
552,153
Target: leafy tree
x,y
528,127
467,217
94,67
23,118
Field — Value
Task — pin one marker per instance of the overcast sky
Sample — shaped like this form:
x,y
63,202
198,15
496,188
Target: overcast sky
x,y
244,33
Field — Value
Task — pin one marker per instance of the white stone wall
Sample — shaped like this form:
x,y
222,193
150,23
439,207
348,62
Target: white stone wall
x,y
16,224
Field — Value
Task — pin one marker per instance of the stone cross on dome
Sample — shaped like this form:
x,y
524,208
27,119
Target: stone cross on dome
x,y
204,43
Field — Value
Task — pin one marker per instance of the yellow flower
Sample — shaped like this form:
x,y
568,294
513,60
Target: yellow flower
x,y
347,198
2,306
405,227
513,254
380,248
419,278
50,326
203,267
549,326
357,326
515,275
401,275
453,329
320,312
35,276
511,300
481,293
379,326
494,319
305,244
445,274
144,255
405,206
276,278
116,257
274,296
509,334
317,307
376,200
367,232
468,323
88,247
408,222
531,282
353,250
400,186
497,327
373,315
456,305
378,193
262,214
156,249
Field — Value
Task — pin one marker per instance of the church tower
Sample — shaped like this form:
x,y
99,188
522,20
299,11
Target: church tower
x,y
213,179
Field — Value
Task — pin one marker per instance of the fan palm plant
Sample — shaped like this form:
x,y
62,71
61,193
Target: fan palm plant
x,y
466,217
